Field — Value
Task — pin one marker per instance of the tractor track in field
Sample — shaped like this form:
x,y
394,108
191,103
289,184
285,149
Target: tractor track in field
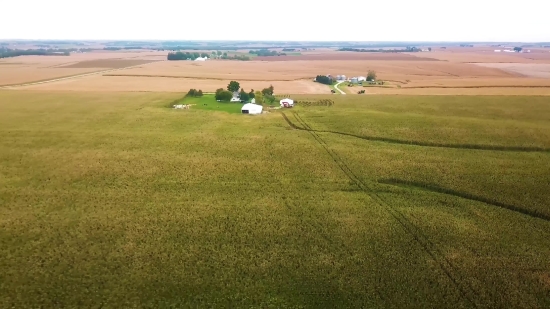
x,y
445,265
424,144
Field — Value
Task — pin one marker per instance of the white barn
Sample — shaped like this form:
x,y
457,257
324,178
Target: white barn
x,y
286,102
361,78
252,109
201,59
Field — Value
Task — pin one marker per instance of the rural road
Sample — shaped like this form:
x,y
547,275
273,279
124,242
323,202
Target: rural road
x,y
338,89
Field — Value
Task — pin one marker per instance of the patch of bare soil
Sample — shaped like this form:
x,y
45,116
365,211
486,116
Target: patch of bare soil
x,y
107,63
537,70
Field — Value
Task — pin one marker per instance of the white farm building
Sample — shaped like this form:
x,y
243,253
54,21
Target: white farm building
x,y
287,102
252,109
201,59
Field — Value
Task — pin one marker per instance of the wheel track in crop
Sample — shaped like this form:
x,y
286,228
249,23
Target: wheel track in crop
x,y
420,238
464,195
424,144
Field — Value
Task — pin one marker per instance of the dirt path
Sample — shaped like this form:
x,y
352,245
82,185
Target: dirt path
x,y
338,89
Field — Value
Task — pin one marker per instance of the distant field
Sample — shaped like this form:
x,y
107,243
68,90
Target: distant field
x,y
107,63
116,200
537,70
27,69
456,71
99,83
335,55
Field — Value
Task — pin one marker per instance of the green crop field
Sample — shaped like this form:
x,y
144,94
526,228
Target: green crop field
x,y
115,200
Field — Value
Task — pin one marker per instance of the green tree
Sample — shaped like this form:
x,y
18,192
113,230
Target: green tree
x,y
243,95
219,53
268,91
259,97
251,94
204,55
518,49
371,76
199,93
269,99
224,95
233,86
196,55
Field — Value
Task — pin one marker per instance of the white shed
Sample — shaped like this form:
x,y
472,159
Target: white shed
x,y
287,102
253,109
361,78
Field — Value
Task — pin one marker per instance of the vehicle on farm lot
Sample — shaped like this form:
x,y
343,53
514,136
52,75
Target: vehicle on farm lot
x,y
287,103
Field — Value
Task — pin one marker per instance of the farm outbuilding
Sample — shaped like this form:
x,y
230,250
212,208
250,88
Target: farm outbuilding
x,y
252,109
361,78
287,102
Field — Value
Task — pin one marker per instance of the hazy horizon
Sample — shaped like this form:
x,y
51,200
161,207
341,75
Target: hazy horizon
x,y
398,21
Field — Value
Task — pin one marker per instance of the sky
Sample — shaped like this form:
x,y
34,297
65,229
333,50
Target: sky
x,y
297,20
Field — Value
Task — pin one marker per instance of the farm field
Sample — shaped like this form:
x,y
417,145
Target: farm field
x,y
113,199
26,69
441,72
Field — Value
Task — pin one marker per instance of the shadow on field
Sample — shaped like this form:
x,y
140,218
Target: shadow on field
x,y
424,144
437,189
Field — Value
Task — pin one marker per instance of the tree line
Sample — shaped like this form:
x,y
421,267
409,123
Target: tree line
x,y
408,49
7,53
323,79
266,53
215,54
264,96
186,55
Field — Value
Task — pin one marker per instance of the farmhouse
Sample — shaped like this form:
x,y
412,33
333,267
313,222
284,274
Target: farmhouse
x,y
201,59
236,97
287,102
253,109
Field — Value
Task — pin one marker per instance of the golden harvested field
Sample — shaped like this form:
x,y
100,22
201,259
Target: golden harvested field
x,y
161,84
107,63
489,56
25,69
456,71
541,70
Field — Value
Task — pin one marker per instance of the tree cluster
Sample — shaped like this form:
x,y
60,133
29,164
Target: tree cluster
x,y
7,53
194,93
371,76
236,57
186,55
518,49
266,53
266,95
323,79
223,95
408,49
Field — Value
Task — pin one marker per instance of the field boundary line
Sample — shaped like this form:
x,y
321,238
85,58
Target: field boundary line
x,y
425,144
410,228
436,189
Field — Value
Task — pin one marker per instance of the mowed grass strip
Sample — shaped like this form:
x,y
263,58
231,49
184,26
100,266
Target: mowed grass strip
x,y
115,200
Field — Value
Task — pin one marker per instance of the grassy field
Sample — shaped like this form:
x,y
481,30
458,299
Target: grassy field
x,y
208,103
115,200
